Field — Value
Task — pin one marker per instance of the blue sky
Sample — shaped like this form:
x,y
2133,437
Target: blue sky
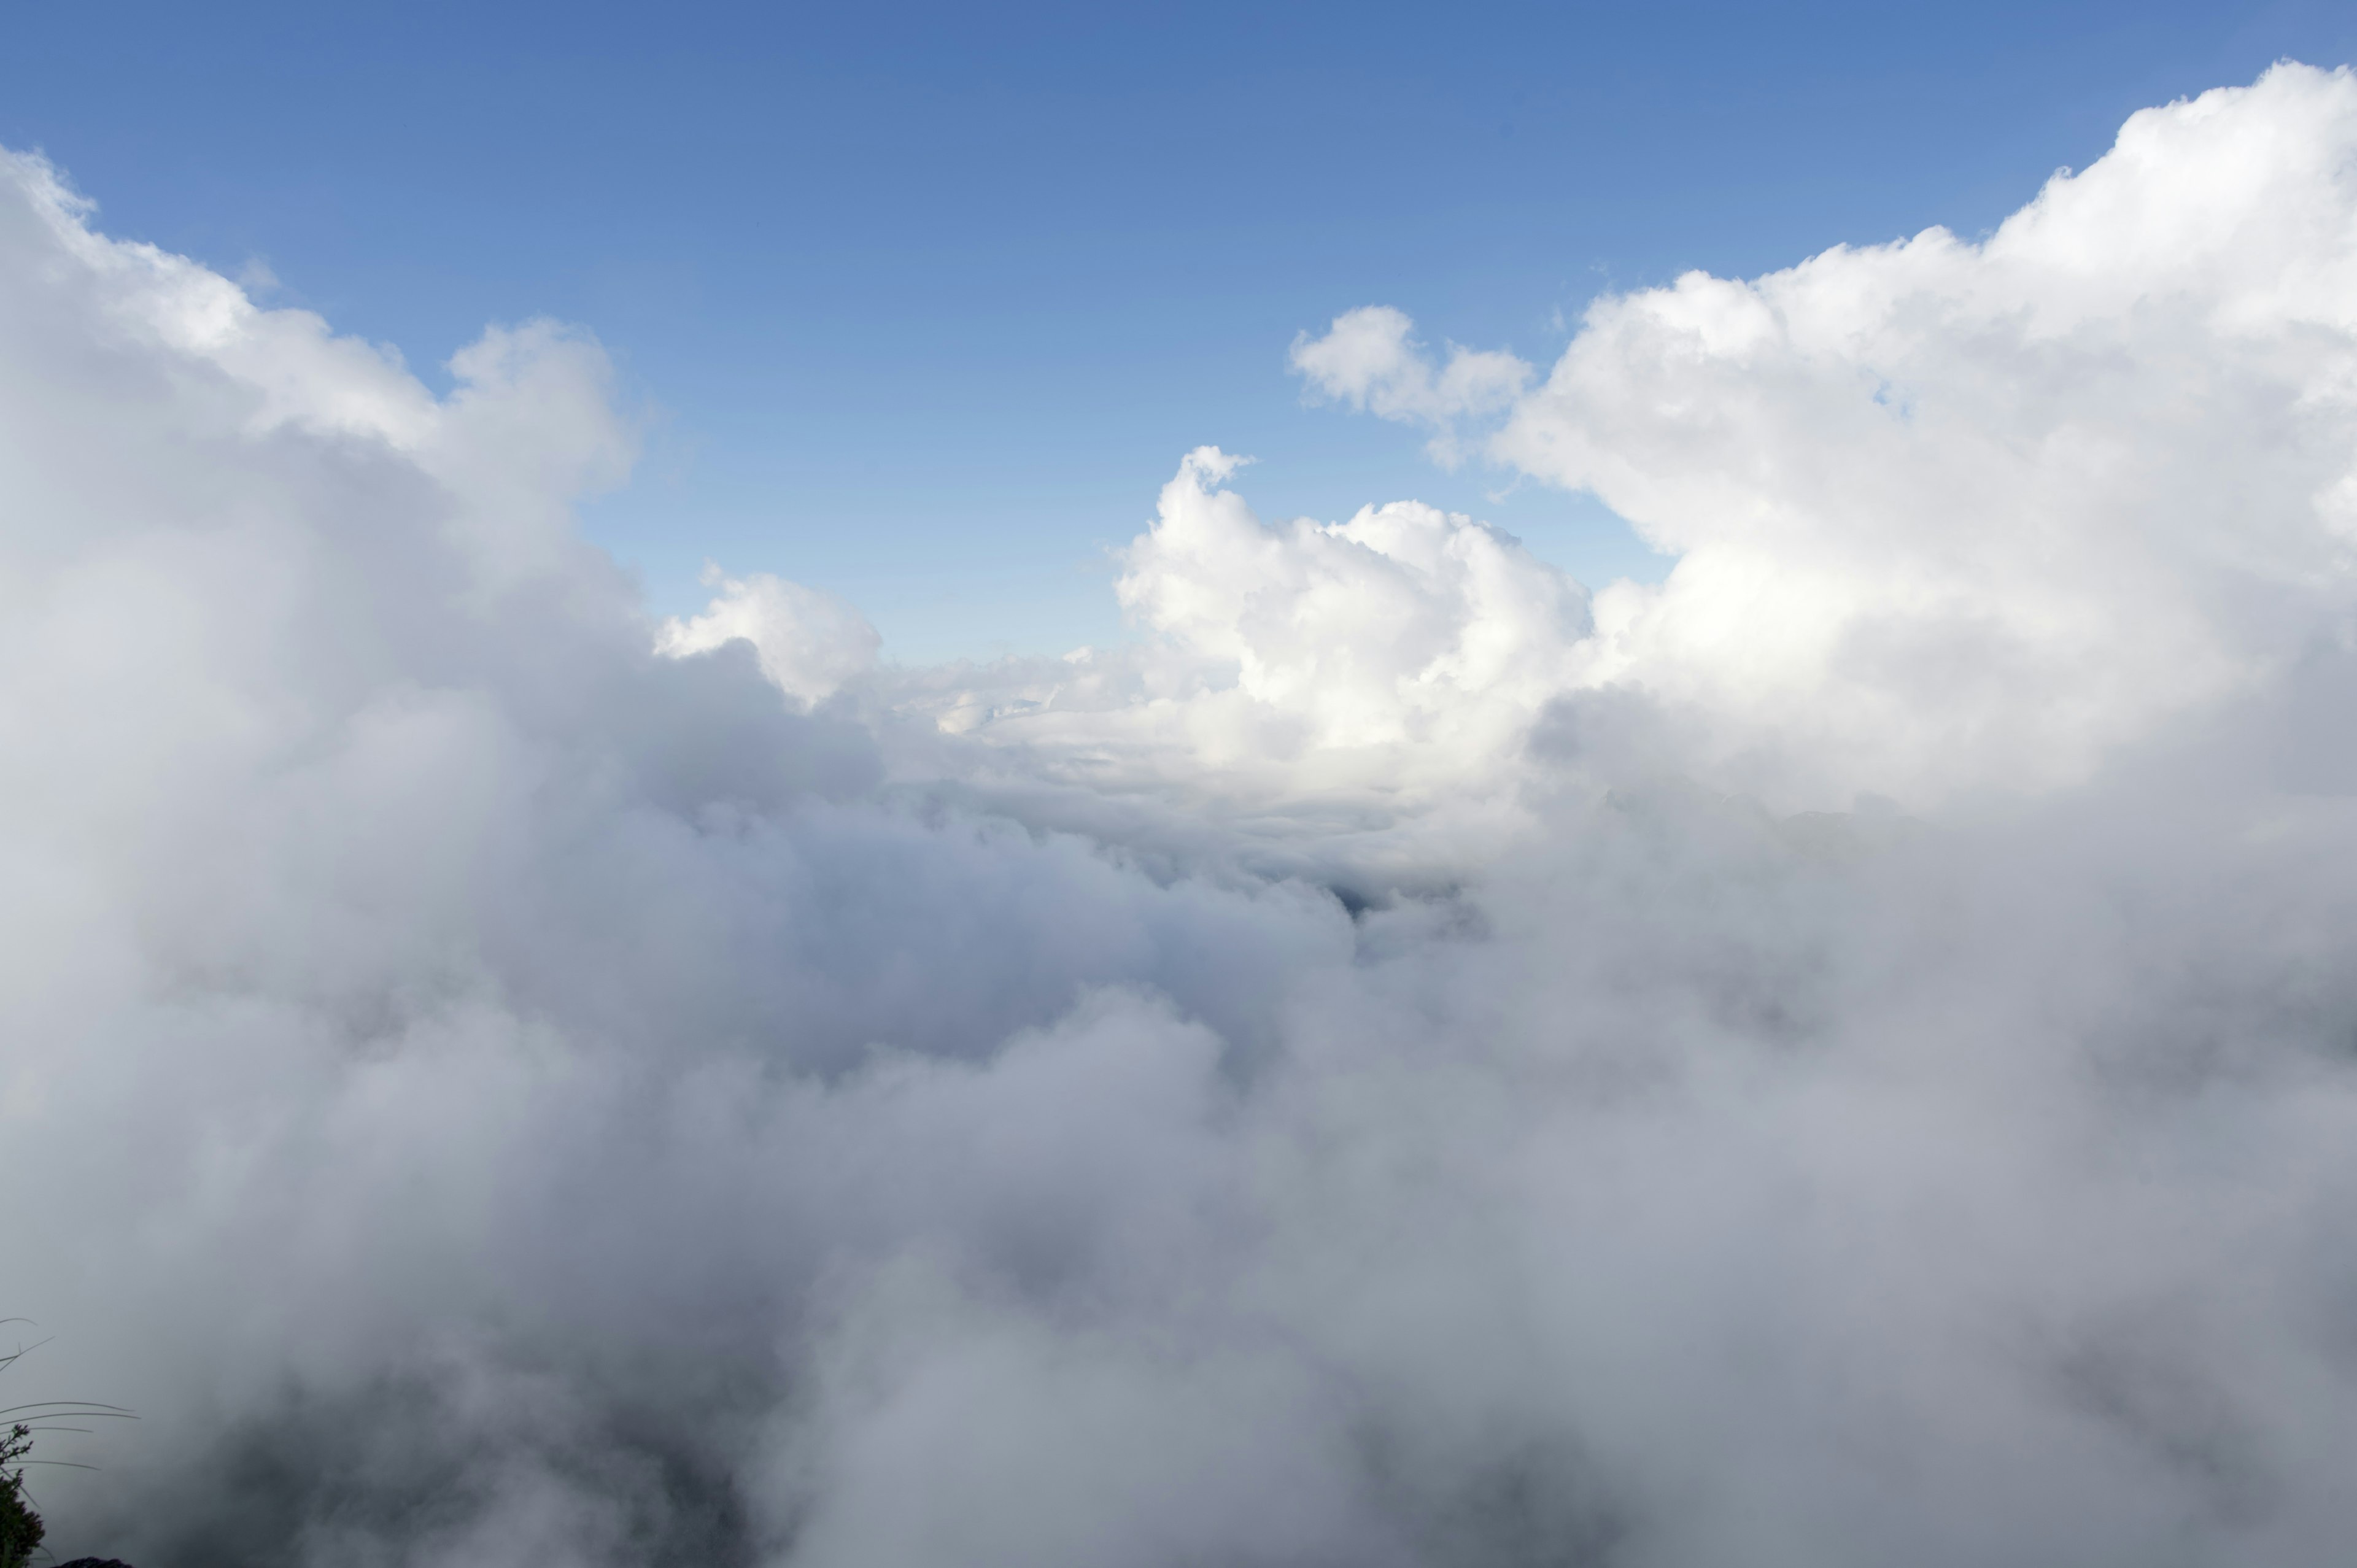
x,y
925,302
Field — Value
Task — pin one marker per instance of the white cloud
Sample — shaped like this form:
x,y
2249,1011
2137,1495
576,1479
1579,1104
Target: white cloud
x,y
1334,694
1367,359
808,642
1959,516
487,1090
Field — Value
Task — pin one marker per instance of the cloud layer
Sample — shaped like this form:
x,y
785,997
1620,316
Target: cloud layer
x,y
1846,1057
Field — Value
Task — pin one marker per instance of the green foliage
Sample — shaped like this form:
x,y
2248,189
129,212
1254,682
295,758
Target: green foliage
x,y
20,1527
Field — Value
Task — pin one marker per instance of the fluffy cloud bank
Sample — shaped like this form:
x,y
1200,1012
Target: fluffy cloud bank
x,y
1954,515
1403,1064
1327,698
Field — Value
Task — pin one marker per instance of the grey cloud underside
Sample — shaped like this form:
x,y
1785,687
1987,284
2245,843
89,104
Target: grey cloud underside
x,y
1407,1064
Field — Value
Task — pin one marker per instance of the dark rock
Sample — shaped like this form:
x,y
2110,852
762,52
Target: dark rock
x,y
94,1563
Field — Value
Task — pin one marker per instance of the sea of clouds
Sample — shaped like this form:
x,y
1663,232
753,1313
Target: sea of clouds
x,y
1846,1057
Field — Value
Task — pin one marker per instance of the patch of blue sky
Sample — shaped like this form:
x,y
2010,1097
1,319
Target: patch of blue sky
x,y
925,301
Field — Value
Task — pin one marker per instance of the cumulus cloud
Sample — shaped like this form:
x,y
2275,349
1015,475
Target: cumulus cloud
x,y
1958,515
1330,694
1846,1057
1368,359
808,643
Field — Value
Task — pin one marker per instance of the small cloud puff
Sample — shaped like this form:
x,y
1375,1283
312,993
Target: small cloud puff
x,y
1368,360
